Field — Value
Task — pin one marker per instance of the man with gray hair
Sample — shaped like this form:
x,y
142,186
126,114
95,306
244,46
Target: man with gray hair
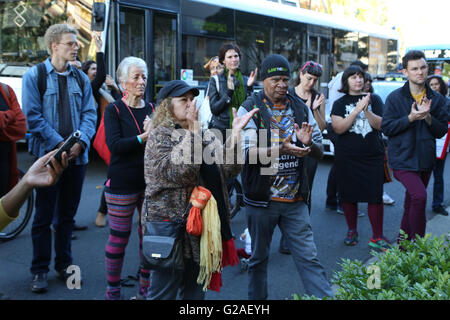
x,y
279,132
57,101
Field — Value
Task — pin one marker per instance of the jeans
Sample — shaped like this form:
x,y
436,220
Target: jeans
x,y
414,219
61,200
294,223
438,186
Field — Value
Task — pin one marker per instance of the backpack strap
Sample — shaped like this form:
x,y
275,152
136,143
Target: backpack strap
x,y
42,79
79,79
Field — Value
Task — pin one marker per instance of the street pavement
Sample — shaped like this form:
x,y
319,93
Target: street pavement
x,y
283,280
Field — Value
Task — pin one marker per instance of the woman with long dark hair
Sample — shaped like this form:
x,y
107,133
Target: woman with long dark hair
x,y
304,89
438,84
356,119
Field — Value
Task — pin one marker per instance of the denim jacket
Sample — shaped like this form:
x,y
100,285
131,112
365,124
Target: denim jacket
x,y
43,117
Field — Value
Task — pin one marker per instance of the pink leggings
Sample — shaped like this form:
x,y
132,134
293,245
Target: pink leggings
x,y
120,212
414,220
375,212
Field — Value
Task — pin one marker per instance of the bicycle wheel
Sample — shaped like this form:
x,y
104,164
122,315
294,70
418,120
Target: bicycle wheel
x,y
14,228
236,198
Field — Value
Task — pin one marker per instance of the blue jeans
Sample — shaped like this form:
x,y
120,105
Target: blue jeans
x,y
294,223
61,200
438,186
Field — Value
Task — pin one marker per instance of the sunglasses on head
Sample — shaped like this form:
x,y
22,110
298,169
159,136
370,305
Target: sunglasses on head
x,y
311,64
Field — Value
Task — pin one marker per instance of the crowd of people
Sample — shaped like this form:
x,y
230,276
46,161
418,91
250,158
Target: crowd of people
x,y
154,166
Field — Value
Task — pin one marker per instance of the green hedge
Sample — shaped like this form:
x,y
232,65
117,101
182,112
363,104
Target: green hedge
x,y
419,272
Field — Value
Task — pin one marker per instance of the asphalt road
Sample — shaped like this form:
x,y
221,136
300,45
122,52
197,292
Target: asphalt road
x,y
88,250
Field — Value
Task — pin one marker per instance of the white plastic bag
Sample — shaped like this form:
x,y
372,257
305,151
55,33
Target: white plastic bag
x,y
204,112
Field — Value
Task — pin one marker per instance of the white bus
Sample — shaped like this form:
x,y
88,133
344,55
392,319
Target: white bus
x,y
175,35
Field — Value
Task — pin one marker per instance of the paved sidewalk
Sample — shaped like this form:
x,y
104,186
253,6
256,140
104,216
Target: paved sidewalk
x,y
439,225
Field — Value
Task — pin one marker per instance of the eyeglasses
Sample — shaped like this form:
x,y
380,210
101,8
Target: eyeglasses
x,y
311,64
73,44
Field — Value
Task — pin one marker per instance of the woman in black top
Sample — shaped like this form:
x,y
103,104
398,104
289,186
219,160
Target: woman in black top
x,y
356,119
234,88
126,133
304,89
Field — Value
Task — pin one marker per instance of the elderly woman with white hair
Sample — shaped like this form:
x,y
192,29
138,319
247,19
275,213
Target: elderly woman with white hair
x,y
126,135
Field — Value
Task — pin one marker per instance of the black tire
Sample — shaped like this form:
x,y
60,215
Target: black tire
x,y
236,198
14,228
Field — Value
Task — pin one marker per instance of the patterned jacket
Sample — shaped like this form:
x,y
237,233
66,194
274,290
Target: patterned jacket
x,y
171,170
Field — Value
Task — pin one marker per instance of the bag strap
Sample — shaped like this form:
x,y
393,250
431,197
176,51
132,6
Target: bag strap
x,y
126,104
42,79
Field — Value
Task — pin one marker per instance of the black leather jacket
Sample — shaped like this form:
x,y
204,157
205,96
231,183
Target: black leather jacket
x,y
219,101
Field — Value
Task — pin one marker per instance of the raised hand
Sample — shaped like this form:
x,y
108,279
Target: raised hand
x,y
318,101
304,134
240,122
192,116
252,77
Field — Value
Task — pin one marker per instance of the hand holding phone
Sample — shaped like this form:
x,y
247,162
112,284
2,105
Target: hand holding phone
x,y
67,145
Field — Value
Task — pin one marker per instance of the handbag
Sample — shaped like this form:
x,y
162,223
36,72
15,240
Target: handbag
x,y
162,247
100,140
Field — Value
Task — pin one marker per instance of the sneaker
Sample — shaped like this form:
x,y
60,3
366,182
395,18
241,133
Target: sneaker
x,y
440,210
387,199
380,244
351,239
39,283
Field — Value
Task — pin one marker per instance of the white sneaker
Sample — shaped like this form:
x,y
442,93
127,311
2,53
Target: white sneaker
x,y
387,199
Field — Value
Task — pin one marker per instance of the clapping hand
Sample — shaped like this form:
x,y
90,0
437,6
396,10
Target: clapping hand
x,y
252,77
420,111
363,103
304,134
288,148
318,101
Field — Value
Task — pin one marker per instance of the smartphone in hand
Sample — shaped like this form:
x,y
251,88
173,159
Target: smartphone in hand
x,y
67,145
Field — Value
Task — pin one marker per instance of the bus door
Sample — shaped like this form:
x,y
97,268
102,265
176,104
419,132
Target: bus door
x,y
319,50
150,35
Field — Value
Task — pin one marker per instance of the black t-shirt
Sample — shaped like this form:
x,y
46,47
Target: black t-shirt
x,y
361,139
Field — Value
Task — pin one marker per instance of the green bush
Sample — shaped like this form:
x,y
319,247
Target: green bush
x,y
419,272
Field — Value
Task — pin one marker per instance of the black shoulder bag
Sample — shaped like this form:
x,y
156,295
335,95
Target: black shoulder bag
x,y
162,247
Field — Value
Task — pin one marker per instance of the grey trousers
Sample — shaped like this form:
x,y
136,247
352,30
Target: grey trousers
x,y
165,285
294,223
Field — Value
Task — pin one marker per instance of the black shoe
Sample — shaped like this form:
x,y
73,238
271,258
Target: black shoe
x,y
73,237
39,283
440,210
284,250
77,227
331,207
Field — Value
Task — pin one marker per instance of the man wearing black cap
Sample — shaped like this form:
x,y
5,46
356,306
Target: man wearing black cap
x,y
279,132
